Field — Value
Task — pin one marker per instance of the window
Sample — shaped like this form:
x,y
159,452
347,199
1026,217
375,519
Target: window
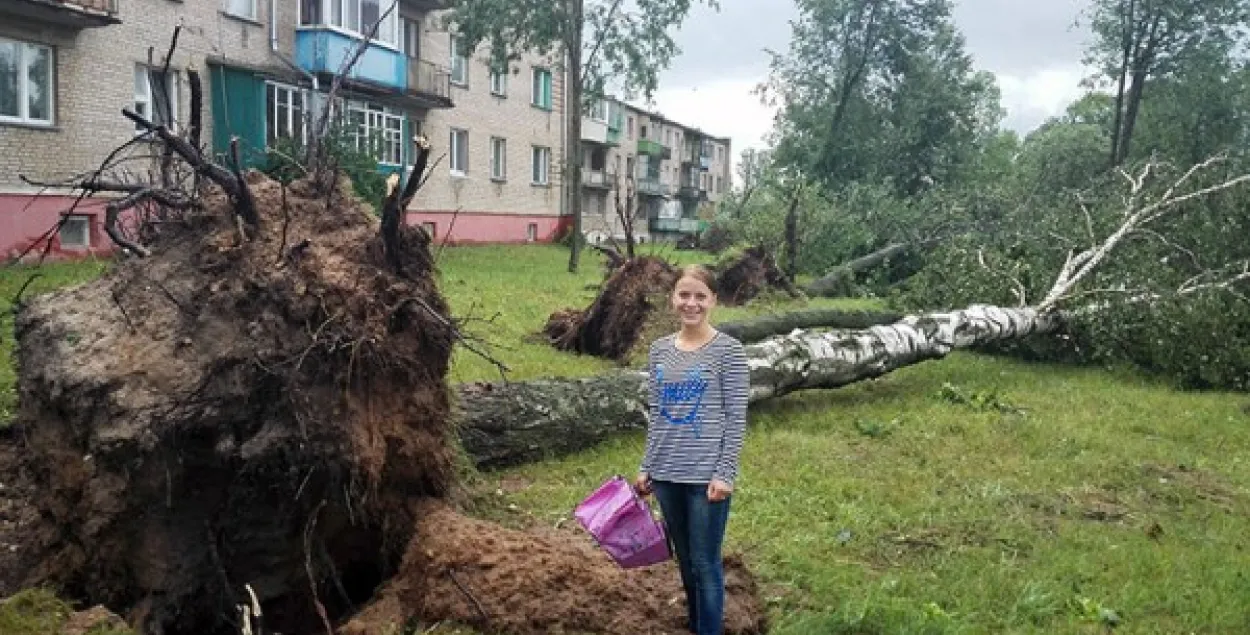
x,y
284,114
642,132
531,232
358,16
431,229
459,63
459,152
241,8
378,130
629,128
498,159
412,38
599,111
26,87
542,165
542,88
499,83
75,232
148,85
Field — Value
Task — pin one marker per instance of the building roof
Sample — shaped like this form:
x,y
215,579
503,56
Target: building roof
x,y
658,116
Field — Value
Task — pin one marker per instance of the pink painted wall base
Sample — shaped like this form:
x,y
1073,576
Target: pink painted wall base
x,y
27,219
476,227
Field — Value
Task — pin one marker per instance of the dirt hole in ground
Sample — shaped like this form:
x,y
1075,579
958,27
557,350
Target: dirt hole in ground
x,y
271,415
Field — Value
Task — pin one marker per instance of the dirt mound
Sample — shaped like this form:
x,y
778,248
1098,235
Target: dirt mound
x,y
522,583
611,325
237,412
17,514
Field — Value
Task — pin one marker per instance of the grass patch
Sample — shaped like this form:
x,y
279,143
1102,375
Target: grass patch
x,y
49,277
901,510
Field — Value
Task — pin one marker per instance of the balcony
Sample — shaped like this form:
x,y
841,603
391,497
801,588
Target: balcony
x,y
595,131
652,187
429,84
691,192
651,148
322,50
73,14
598,179
676,225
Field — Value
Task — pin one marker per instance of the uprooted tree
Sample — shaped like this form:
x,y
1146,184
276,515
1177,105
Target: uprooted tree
x,y
245,425
503,424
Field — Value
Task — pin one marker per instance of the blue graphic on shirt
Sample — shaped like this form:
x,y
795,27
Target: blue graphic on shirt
x,y
687,393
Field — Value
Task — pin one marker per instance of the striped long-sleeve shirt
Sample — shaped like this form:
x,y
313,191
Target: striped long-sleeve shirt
x,y
698,408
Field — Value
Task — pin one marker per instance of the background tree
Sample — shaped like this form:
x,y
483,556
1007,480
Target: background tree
x,y
1137,41
625,40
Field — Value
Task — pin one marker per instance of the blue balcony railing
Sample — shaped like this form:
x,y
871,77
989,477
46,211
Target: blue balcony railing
x,y
323,50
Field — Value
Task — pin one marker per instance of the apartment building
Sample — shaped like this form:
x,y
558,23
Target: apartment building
x,y
668,177
501,178
68,67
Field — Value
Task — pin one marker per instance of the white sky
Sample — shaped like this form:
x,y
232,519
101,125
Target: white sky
x,y
1032,46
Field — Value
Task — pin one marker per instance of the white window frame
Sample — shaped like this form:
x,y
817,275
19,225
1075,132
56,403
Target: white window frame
x,y
78,220
499,83
381,124
599,111
293,123
540,169
23,83
498,159
144,100
229,7
537,98
459,145
344,16
460,61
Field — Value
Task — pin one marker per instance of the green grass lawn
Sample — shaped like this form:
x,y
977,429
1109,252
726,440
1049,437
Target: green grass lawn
x,y
969,495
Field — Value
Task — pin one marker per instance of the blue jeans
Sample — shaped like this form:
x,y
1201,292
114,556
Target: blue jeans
x,y
697,529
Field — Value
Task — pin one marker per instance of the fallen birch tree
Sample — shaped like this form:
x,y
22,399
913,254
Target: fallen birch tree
x,y
520,422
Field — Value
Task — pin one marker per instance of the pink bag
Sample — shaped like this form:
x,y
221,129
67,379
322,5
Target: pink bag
x,y
621,522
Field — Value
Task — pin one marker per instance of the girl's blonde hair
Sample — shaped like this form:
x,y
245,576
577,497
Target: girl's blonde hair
x,y
700,273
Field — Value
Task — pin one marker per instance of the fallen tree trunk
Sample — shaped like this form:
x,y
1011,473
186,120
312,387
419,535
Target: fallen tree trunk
x,y
767,326
837,282
527,421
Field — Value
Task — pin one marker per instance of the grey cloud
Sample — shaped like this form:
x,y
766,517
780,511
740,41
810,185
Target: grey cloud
x,y
1016,37
1020,37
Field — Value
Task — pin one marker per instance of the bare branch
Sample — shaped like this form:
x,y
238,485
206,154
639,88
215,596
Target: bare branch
x,y
1080,266
215,173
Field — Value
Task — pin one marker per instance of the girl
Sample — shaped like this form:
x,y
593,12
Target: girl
x,y
699,383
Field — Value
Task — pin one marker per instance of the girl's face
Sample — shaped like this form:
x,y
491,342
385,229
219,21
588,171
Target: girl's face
x,y
692,301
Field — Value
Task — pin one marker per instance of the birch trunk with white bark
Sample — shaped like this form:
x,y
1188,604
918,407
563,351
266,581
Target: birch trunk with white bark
x,y
504,425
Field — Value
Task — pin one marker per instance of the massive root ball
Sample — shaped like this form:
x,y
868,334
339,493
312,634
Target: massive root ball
x,y
235,412
611,326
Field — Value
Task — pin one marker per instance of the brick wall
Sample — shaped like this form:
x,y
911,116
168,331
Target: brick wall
x,y
512,118
95,76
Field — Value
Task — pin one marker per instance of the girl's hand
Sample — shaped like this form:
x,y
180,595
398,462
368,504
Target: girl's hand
x,y
718,490
642,484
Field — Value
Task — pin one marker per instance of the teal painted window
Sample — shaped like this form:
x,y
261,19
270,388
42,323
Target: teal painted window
x,y
542,88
